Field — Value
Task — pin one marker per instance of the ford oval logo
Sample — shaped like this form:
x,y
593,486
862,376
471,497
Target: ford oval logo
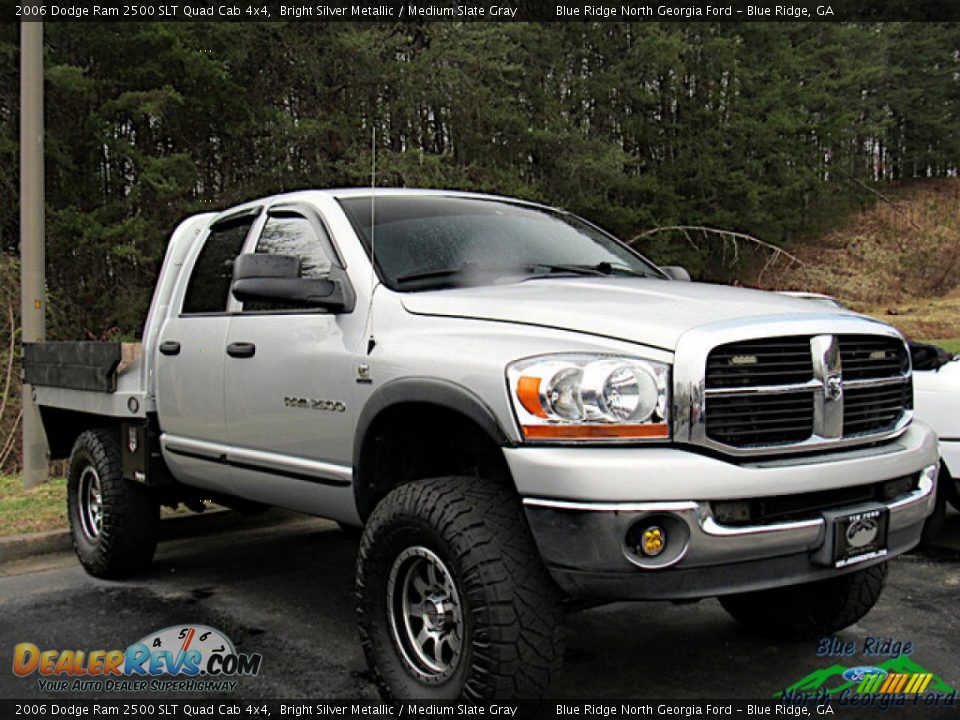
x,y
856,674
862,532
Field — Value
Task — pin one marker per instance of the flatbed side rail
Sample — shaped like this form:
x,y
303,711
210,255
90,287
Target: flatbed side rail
x,y
74,365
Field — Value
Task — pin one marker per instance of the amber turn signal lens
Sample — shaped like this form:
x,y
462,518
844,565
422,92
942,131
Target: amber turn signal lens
x,y
588,432
528,392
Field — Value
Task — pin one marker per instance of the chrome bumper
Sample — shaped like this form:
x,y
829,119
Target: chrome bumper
x,y
583,545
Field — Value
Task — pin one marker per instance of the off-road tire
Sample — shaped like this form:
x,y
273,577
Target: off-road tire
x,y
947,492
512,629
951,486
130,514
812,610
934,523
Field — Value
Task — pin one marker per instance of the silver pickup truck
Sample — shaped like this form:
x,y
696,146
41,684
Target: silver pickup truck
x,y
523,414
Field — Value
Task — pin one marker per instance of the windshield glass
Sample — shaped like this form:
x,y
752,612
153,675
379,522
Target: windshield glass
x,y
435,241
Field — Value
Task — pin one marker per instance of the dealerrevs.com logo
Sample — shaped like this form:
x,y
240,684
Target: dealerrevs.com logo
x,y
188,658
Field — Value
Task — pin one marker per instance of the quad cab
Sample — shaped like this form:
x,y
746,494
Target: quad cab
x,y
520,412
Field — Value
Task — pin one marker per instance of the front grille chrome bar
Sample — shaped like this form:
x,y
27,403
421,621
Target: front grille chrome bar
x,y
801,387
763,389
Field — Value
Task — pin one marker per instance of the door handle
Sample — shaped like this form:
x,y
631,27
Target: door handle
x,y
170,347
241,350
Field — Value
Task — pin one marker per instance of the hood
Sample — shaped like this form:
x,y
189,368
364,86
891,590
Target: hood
x,y
643,310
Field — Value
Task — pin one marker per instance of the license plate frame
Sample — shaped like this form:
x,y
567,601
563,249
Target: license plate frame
x,y
860,536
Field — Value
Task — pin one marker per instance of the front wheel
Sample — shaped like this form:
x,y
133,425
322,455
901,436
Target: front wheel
x,y
812,610
114,521
452,597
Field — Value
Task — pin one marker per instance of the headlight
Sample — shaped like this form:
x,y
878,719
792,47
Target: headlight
x,y
590,397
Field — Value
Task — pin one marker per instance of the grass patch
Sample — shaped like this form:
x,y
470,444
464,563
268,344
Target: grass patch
x,y
951,345
43,507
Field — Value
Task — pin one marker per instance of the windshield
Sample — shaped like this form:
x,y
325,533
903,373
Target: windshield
x,y
430,241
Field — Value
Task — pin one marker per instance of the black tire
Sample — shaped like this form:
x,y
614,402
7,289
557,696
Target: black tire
x,y
934,523
812,610
503,603
124,541
951,486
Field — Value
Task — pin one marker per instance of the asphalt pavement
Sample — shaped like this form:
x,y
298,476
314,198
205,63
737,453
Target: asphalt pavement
x,y
285,591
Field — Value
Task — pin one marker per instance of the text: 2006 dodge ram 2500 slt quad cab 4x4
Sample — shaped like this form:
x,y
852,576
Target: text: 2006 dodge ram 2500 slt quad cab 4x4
x,y
517,408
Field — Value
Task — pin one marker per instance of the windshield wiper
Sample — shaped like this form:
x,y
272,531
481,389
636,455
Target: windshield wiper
x,y
468,268
601,268
473,269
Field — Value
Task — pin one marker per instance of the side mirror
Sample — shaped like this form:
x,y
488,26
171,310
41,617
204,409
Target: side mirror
x,y
276,278
253,266
675,272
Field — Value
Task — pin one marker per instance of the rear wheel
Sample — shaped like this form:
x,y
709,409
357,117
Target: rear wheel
x,y
114,521
452,597
812,610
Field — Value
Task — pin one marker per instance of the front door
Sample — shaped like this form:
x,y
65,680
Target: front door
x,y
288,372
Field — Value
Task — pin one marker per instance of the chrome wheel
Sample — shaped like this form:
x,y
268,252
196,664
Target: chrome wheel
x,y
425,614
90,496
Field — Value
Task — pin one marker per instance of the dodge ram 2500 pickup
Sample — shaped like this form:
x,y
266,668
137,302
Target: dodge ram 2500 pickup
x,y
522,413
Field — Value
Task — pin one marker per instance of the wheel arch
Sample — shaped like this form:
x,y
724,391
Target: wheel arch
x,y
63,427
405,432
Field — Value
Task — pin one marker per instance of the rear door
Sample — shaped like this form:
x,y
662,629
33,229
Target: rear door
x,y
191,353
288,372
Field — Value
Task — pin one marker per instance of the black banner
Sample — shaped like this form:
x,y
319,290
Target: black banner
x,y
478,10
243,709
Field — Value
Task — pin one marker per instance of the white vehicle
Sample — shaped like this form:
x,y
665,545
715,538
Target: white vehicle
x,y
816,297
518,409
936,399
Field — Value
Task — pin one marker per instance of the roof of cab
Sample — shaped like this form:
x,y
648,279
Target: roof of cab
x,y
305,195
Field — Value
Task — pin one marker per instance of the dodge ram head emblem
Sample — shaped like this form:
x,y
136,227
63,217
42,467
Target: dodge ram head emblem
x,y
833,387
862,532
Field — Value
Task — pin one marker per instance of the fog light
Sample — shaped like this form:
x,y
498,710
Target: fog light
x,y
645,543
653,541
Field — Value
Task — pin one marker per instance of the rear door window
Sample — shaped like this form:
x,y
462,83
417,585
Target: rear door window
x,y
209,288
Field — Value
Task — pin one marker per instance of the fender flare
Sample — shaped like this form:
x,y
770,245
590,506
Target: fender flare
x,y
430,391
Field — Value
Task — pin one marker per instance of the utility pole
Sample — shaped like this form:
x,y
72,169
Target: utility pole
x,y
32,237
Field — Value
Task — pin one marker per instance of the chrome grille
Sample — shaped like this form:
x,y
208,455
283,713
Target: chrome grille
x,y
761,419
872,356
767,361
783,391
875,409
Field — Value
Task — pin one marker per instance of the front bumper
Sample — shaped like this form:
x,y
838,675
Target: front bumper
x,y
582,541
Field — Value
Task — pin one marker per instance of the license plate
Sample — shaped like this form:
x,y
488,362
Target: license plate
x,y
859,537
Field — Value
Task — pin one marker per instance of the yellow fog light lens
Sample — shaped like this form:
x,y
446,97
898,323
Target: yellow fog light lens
x,y
653,541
